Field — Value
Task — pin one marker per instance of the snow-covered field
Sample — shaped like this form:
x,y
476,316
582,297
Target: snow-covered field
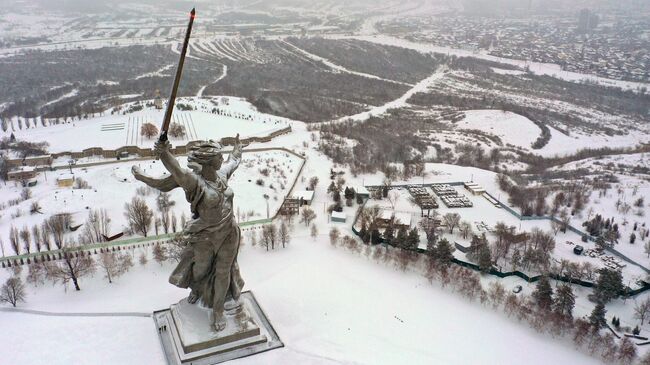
x,y
323,316
113,185
519,131
511,128
114,131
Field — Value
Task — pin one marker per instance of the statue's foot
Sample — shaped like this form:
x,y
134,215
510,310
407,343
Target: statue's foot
x,y
232,306
193,297
219,322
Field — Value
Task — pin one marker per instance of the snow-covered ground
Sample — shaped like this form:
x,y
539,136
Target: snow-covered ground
x,y
519,131
323,316
511,128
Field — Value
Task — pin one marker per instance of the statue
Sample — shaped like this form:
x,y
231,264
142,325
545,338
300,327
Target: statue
x,y
208,264
216,322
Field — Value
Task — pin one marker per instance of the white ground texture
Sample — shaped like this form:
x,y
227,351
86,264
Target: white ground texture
x,y
519,131
323,315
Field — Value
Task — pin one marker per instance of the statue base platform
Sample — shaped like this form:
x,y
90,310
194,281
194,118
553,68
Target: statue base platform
x,y
190,338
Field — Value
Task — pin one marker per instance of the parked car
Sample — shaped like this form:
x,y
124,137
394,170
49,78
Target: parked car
x,y
578,250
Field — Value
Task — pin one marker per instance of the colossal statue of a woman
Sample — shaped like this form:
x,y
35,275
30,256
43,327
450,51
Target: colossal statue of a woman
x,y
208,264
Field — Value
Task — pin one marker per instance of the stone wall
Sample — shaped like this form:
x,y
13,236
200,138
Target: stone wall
x,y
135,150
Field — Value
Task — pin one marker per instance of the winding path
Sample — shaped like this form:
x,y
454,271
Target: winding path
x,y
224,72
397,103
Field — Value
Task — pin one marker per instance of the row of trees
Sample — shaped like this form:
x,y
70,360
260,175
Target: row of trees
x,y
150,130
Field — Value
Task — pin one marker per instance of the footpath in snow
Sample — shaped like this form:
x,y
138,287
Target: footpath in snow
x,y
397,103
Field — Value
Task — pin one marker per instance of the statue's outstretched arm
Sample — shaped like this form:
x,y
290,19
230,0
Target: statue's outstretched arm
x,y
181,176
165,183
234,159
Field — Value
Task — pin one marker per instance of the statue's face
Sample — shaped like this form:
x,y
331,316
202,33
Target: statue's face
x,y
195,167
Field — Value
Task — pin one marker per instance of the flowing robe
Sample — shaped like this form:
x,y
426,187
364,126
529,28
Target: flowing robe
x,y
208,263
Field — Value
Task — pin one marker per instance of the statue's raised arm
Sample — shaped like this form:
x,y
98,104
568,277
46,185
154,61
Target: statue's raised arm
x,y
183,177
233,160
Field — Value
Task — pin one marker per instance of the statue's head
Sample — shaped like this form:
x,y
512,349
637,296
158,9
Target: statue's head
x,y
204,155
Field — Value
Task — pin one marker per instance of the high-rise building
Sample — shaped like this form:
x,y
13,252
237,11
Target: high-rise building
x,y
587,20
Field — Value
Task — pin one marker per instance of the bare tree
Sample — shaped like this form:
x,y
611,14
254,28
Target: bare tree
x,y
176,130
26,237
114,264
13,291
57,225
14,239
308,215
496,293
164,221
269,236
313,231
164,205
36,234
393,198
97,227
36,273
313,182
25,194
45,236
159,253
148,130
627,352
452,220
284,234
143,258
556,226
74,266
465,228
139,215
334,236
641,310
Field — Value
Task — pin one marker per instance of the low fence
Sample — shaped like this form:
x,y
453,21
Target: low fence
x,y
101,247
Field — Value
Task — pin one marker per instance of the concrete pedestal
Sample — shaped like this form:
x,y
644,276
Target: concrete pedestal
x,y
190,338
